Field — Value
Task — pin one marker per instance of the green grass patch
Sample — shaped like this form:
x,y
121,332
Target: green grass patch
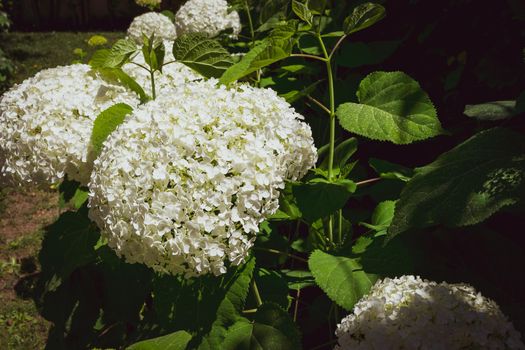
x,y
32,52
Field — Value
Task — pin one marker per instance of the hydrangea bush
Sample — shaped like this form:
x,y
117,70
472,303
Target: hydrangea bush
x,y
228,205
411,313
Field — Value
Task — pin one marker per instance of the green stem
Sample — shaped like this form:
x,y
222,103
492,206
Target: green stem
x,y
275,251
296,308
340,227
256,293
360,183
307,56
153,92
252,33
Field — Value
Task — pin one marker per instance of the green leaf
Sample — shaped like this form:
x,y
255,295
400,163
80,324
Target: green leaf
x,y
120,53
230,307
341,278
272,329
107,121
298,279
99,58
342,154
174,341
68,244
321,198
262,55
126,80
491,111
387,170
363,17
302,11
382,217
465,185
392,108
202,54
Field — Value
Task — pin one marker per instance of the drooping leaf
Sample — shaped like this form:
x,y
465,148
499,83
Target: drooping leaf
x,y
465,185
363,16
490,111
341,278
387,170
381,217
272,329
202,54
126,80
107,121
320,198
174,341
342,153
302,11
392,107
298,279
262,55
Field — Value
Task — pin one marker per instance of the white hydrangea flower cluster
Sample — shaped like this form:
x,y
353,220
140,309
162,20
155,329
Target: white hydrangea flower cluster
x,y
206,16
152,23
46,123
183,184
173,74
411,313
148,3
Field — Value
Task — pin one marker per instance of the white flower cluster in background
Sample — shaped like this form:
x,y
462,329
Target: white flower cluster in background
x,y
173,74
206,16
183,184
148,3
152,23
46,123
411,313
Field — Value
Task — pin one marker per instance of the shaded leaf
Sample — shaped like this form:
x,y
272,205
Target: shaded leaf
x,y
387,170
363,16
496,110
382,217
175,341
465,185
302,11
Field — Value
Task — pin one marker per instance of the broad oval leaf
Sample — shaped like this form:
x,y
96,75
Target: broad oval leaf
x,y
174,341
272,329
465,185
392,107
202,54
363,17
381,217
106,122
341,278
120,53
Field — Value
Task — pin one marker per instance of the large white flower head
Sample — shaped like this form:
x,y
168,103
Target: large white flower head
x,y
152,23
206,16
183,184
411,313
173,74
46,123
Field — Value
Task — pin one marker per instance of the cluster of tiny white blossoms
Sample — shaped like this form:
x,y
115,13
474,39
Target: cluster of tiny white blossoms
x,y
148,3
173,74
46,123
411,313
152,23
206,16
183,184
